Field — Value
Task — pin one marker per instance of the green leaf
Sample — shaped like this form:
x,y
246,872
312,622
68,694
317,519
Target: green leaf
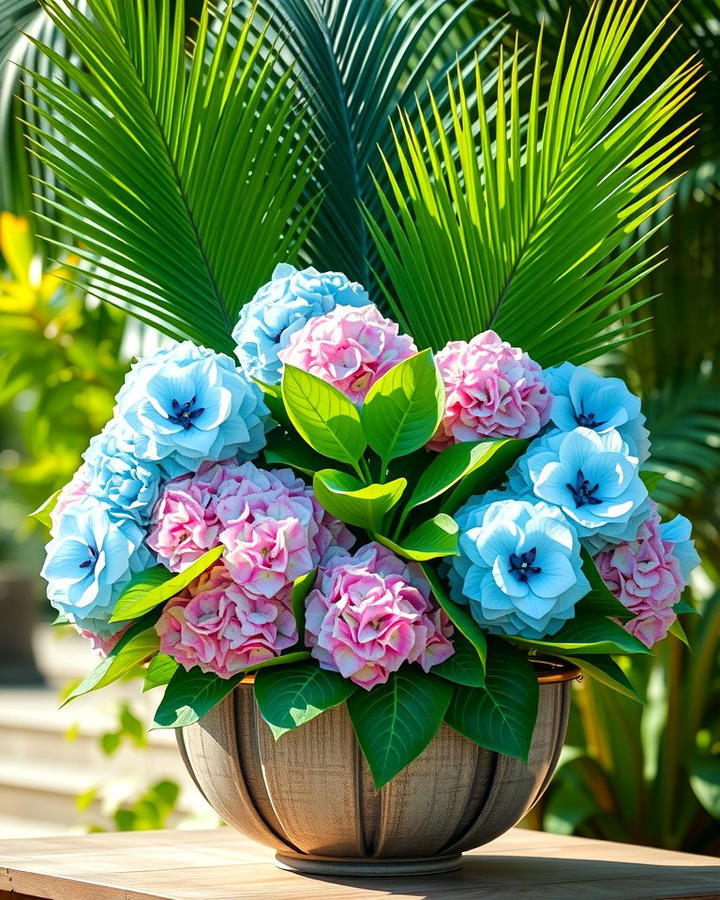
x,y
459,461
436,537
300,589
189,695
344,496
464,666
677,630
293,695
288,450
587,635
161,669
501,715
600,600
458,615
139,641
42,513
138,189
323,416
684,608
156,585
359,60
403,409
705,782
484,208
651,479
607,672
395,722
487,475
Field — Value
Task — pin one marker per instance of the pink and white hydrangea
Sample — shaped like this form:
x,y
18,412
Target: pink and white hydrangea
x,y
648,575
216,625
273,528
491,390
371,612
349,347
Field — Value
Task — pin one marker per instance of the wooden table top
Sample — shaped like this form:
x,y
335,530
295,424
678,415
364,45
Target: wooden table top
x,y
223,865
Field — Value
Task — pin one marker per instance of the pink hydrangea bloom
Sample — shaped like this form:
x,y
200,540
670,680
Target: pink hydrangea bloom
x,y
349,347
73,491
102,645
645,576
491,390
371,612
216,625
273,528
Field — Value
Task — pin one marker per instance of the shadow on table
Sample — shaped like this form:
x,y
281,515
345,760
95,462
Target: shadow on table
x,y
541,878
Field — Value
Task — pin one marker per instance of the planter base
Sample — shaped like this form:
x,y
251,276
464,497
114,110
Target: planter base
x,y
307,864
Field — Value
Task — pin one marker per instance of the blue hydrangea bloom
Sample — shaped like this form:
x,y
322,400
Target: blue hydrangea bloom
x,y
117,478
592,477
185,404
519,567
280,308
90,560
582,398
678,531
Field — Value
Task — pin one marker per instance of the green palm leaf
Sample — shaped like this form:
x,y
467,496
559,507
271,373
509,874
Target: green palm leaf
x,y
181,178
358,60
527,236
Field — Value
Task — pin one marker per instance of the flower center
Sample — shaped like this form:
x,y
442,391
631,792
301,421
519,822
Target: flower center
x,y
185,413
582,493
587,420
522,564
92,558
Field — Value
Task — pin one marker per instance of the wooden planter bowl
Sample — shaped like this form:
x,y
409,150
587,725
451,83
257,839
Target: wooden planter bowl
x,y
310,795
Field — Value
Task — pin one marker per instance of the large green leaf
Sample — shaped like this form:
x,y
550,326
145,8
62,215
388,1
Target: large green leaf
x,y
344,496
522,227
464,666
138,643
432,539
323,416
501,715
483,477
189,695
154,586
458,462
146,148
607,672
160,670
458,615
42,513
600,600
587,635
403,409
284,449
394,722
293,695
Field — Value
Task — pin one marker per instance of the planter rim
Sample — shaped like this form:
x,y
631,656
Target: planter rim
x,y
549,671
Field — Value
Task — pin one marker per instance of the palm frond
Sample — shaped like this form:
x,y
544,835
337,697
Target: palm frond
x,y
181,179
358,60
527,236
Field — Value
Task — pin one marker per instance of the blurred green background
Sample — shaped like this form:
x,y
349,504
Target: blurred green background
x,y
646,774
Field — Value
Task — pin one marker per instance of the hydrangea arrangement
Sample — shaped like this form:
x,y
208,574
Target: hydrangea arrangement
x,y
344,518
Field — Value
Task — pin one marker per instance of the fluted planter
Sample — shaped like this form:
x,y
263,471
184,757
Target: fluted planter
x,y
310,795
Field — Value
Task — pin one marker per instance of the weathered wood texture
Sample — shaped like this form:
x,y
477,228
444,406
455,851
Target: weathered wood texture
x,y
311,792
223,865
